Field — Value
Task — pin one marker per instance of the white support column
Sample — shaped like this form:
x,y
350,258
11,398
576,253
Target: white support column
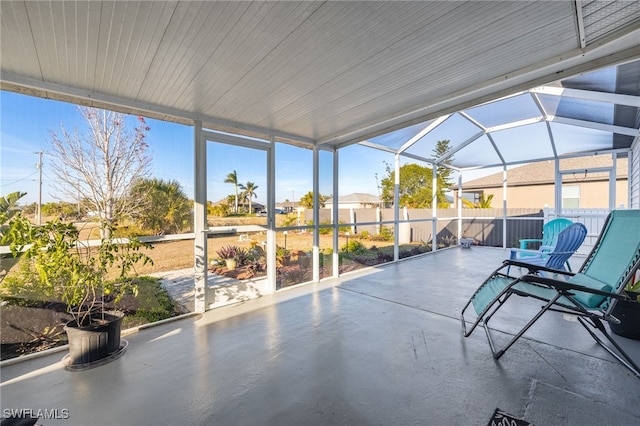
x,y
434,208
200,220
459,205
334,215
271,233
504,207
630,177
352,219
316,214
612,182
396,208
558,189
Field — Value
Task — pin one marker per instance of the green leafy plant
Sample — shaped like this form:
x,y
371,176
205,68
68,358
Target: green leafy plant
x,y
46,338
386,233
289,220
484,202
8,209
282,255
633,286
354,246
155,304
57,265
295,275
232,252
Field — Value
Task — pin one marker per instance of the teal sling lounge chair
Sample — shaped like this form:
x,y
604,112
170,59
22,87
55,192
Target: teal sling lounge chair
x,y
568,242
550,231
588,294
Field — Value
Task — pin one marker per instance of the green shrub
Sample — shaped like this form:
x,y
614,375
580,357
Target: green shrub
x,y
354,246
322,231
154,303
220,210
386,233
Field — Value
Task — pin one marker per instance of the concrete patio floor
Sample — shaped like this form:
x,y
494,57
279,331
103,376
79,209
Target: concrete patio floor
x,y
376,347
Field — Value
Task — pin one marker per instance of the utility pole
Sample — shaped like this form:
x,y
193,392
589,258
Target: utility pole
x,y
39,167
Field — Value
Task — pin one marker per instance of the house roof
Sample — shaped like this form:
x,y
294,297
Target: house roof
x,y
543,172
333,73
356,197
287,204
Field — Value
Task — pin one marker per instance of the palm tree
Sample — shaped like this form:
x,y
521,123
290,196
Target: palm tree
x,y
9,207
165,207
249,192
482,203
233,178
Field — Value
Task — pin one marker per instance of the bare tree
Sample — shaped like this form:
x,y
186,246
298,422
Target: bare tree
x,y
100,166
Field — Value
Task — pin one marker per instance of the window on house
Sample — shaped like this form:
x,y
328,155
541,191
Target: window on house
x,y
570,196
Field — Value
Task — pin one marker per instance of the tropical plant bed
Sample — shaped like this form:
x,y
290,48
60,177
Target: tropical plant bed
x,y
297,269
286,275
33,326
240,273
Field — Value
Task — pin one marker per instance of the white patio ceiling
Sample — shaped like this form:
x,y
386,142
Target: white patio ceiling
x,y
326,73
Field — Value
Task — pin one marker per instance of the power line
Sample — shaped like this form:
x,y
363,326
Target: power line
x,y
21,179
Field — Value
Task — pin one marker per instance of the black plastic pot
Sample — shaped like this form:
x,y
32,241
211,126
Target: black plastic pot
x,y
95,342
628,313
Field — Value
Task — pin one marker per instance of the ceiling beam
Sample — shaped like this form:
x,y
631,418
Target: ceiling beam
x,y
422,133
588,95
624,151
582,39
378,147
515,124
596,126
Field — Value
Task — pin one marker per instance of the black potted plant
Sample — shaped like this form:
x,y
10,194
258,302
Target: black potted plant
x,y
58,266
628,311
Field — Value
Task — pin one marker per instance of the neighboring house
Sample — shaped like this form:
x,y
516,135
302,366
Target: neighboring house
x,y
532,185
355,201
255,207
287,206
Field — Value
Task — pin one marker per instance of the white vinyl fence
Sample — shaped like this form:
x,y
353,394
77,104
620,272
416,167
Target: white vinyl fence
x,y
593,219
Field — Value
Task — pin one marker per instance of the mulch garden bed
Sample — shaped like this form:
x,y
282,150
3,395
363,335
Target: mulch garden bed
x,y
33,326
28,327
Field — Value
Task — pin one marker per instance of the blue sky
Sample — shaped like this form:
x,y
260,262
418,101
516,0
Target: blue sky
x,y
26,123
